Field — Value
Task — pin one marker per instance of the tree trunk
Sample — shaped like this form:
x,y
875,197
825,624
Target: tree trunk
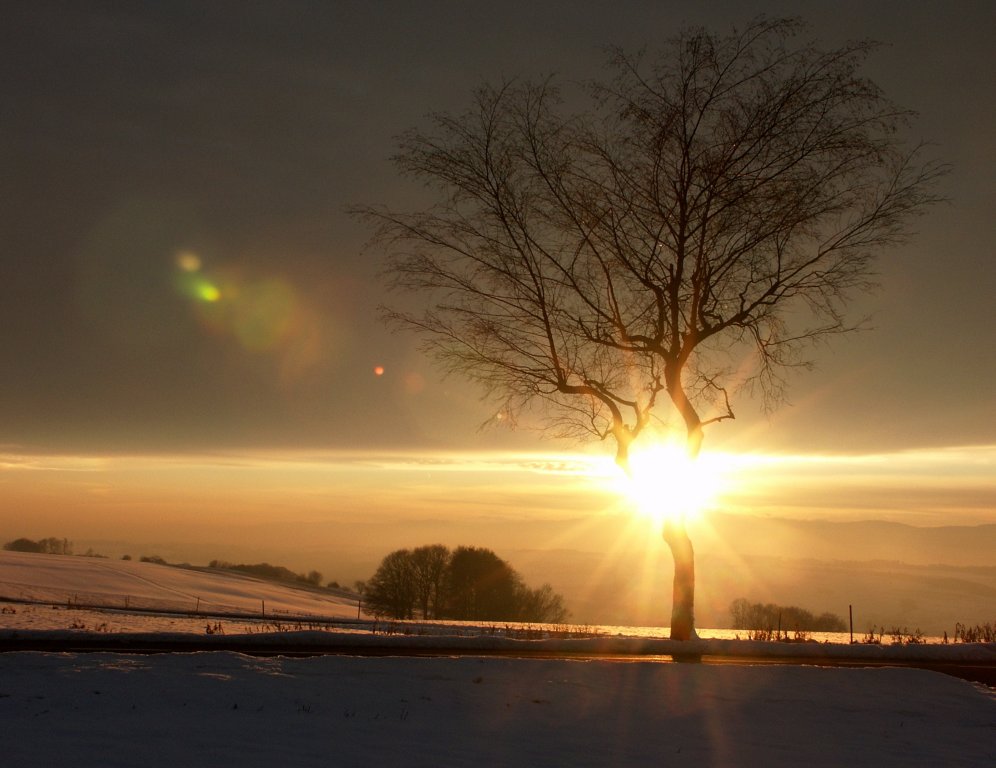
x,y
683,596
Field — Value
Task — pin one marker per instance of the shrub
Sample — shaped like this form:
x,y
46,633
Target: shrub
x,y
980,633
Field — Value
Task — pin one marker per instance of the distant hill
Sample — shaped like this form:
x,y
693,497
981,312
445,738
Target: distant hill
x,y
863,540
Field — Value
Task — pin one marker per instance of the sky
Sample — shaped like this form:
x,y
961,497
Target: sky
x,y
152,151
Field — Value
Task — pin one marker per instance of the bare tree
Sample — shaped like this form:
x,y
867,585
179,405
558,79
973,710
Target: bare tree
x,y
429,566
469,583
541,604
480,585
391,591
687,235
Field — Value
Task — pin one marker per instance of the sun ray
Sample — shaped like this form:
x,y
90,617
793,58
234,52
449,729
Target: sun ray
x,y
663,482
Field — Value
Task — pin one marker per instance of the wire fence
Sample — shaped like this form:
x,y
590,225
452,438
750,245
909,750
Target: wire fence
x,y
29,593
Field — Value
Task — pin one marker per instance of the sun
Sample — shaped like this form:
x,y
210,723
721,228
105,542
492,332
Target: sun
x,y
664,483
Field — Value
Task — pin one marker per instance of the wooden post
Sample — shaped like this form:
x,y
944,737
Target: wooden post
x,y
850,616
263,604
359,606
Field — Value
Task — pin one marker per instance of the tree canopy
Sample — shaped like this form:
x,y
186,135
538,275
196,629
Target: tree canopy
x,y
469,583
689,233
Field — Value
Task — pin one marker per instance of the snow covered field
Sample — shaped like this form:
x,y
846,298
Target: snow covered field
x,y
220,708
124,583
224,709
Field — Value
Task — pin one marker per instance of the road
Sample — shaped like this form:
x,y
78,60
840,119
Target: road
x,y
983,672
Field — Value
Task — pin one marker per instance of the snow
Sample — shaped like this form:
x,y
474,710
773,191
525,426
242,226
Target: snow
x,y
226,709
614,700
130,583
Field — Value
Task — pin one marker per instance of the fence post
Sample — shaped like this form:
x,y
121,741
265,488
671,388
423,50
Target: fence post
x,y
850,617
263,604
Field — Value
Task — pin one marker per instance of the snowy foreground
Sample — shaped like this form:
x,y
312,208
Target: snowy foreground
x,y
226,709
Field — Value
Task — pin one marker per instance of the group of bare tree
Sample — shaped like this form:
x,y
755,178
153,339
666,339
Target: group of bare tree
x,y
49,546
686,235
768,616
270,572
469,583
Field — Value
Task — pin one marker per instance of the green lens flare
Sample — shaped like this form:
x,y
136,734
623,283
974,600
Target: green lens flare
x,y
197,287
206,291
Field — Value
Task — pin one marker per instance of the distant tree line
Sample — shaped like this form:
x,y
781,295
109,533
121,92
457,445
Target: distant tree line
x,y
270,572
49,546
747,615
469,583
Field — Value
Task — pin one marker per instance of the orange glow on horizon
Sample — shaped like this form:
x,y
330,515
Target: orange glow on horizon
x,y
104,495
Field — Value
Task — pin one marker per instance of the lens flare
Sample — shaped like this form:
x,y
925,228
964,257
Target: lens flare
x,y
196,286
188,261
262,314
414,383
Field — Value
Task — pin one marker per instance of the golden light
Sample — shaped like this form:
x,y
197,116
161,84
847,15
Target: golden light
x,y
665,483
